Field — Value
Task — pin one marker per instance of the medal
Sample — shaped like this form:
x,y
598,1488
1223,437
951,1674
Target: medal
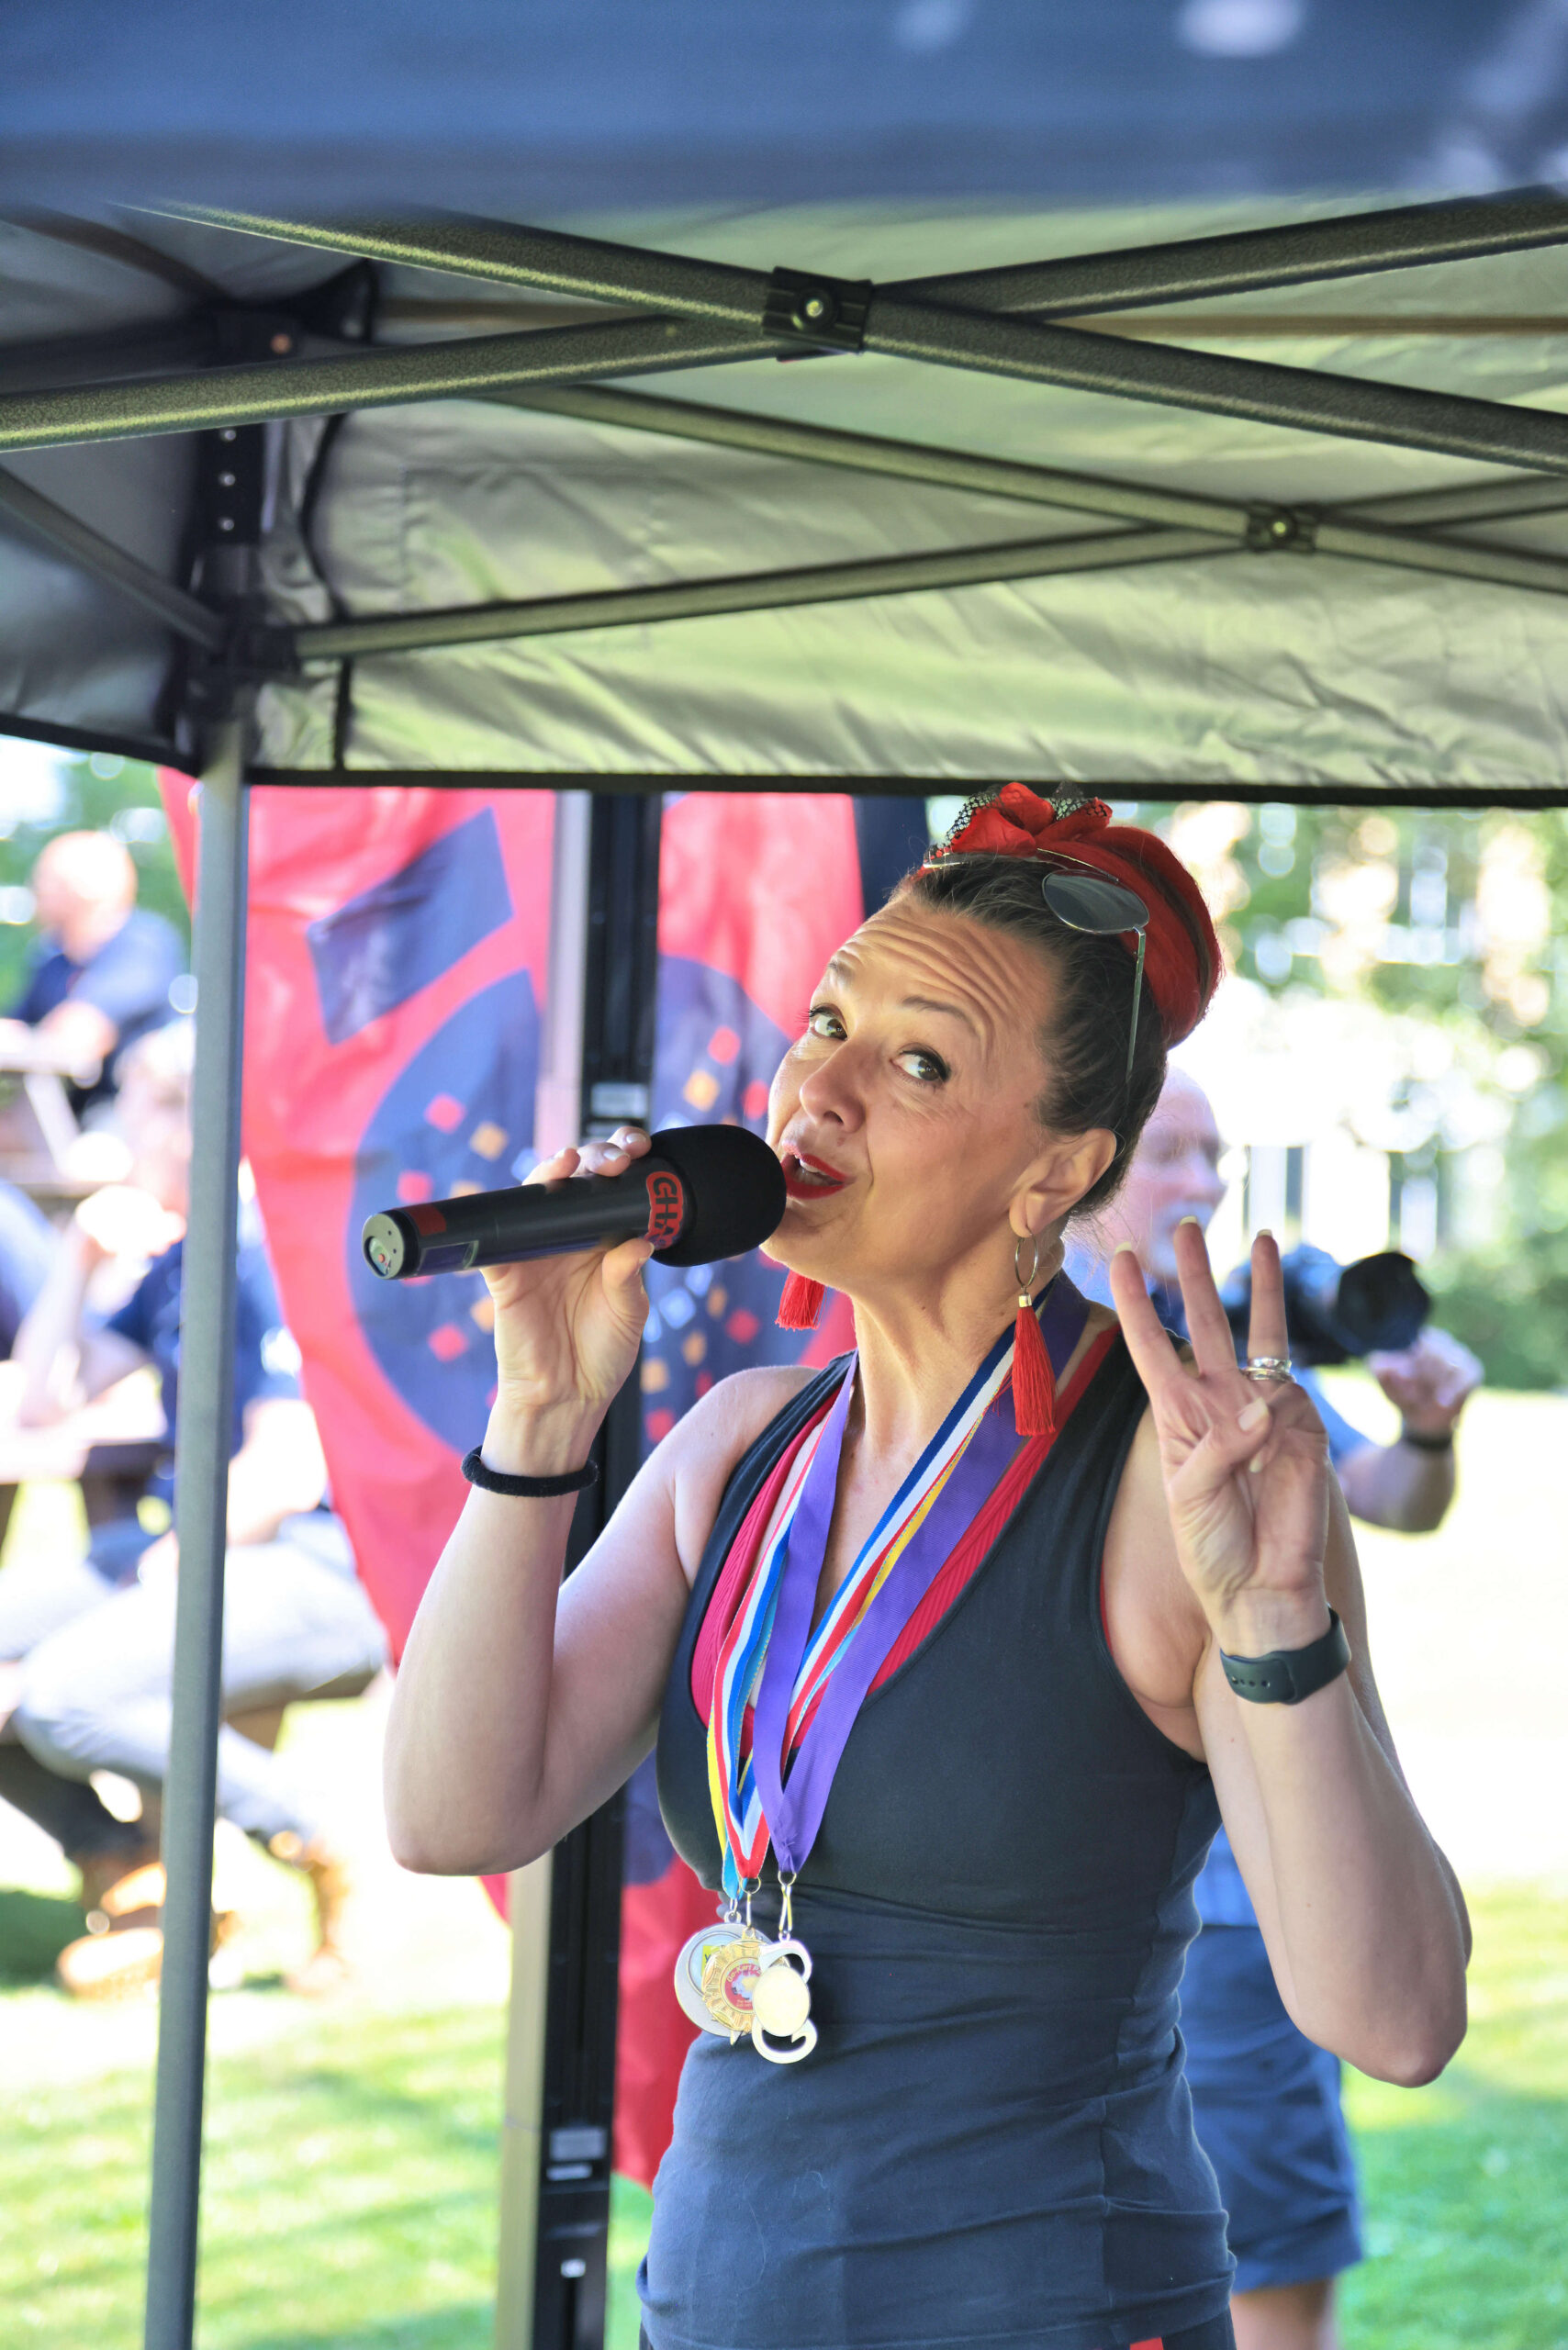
x,y
782,2026
730,1981
691,1968
804,1689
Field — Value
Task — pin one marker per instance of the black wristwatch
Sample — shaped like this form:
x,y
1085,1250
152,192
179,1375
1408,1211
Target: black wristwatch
x,y
1285,1676
1420,1442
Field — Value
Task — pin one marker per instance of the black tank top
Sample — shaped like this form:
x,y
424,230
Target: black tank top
x,y
992,2141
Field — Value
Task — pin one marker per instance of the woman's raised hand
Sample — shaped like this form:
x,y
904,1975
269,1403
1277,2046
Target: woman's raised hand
x,y
1245,1465
567,1328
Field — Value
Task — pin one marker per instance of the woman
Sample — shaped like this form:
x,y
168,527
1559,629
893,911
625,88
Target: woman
x,y
940,1634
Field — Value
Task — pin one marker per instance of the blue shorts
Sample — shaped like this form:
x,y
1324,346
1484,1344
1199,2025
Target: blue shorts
x,y
1266,2102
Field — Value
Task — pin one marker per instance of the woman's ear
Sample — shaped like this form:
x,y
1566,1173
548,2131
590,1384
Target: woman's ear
x,y
1060,1177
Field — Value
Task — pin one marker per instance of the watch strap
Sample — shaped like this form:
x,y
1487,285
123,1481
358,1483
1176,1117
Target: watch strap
x,y
535,1489
1420,1441
1284,1676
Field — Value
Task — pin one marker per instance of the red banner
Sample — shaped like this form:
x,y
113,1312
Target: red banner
x,y
397,957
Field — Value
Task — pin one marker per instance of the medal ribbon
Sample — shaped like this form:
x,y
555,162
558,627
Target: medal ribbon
x,y
770,1653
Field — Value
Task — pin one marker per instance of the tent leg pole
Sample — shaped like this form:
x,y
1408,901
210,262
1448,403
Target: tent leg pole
x,y
206,1416
557,1119
522,2129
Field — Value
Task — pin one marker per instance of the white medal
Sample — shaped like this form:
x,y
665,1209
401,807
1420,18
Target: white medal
x,y
782,2026
732,1982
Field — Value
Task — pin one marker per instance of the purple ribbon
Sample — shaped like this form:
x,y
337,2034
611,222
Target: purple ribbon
x,y
794,1812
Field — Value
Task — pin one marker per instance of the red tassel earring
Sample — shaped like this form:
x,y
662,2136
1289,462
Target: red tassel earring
x,y
1033,1382
800,1304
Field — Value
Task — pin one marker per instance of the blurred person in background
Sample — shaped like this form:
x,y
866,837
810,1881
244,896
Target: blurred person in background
x,y
28,1245
90,1640
1265,2099
102,967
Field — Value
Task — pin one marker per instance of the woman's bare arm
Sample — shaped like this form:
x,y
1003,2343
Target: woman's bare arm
x,y
521,1704
1363,1921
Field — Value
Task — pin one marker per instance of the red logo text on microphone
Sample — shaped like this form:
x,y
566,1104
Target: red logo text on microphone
x,y
666,1207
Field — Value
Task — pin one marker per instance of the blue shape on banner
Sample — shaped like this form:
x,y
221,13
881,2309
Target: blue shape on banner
x,y
714,1061
458,1116
377,950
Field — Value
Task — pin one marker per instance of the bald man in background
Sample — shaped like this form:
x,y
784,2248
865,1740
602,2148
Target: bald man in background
x,y
1266,2101
102,968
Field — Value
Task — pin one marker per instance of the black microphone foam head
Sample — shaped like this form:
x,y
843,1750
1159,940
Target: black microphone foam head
x,y
736,1189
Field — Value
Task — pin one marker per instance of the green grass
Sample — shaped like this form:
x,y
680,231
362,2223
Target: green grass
x,y
1467,2181
352,2162
349,2194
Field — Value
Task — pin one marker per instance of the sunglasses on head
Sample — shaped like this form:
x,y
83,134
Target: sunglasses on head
x,y
1085,900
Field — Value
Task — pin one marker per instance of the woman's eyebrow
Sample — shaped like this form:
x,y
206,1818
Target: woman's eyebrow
x,y
930,1003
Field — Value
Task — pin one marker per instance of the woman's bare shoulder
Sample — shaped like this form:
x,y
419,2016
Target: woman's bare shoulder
x,y
702,1450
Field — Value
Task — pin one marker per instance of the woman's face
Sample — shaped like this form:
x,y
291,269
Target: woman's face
x,y
906,1119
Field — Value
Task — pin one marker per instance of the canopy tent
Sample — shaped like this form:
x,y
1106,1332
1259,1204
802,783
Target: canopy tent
x,y
1312,542
1226,508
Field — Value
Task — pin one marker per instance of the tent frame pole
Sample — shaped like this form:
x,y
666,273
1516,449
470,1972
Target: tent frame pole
x,y
1255,260
912,320
748,592
962,469
202,1440
1246,261
906,574
201,399
724,314
65,534
948,468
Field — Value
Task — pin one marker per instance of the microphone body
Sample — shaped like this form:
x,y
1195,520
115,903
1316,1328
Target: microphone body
x,y
700,1194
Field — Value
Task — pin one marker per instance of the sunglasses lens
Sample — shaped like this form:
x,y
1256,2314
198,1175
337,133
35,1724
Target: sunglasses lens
x,y
1084,901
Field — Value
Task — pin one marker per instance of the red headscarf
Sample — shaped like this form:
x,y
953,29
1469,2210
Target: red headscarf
x,y
1183,961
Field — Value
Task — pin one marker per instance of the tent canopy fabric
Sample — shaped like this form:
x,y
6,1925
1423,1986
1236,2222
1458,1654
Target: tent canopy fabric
x,y
1175,660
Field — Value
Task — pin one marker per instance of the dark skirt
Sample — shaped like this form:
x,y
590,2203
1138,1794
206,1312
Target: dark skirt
x,y
1266,2102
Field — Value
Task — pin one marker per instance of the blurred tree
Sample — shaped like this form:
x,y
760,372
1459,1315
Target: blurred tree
x,y
1461,919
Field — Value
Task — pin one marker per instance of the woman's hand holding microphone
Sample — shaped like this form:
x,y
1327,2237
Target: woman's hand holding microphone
x,y
567,1330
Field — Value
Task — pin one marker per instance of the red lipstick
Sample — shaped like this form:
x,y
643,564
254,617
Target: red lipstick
x,y
806,1178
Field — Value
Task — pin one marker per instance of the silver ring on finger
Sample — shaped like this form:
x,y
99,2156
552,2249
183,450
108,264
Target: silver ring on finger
x,y
1267,1371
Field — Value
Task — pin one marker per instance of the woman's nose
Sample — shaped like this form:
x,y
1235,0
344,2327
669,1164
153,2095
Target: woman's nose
x,y
831,1089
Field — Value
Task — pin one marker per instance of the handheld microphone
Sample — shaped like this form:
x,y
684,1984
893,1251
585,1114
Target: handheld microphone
x,y
702,1192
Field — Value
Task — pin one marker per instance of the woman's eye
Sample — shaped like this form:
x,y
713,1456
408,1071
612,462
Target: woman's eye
x,y
823,1021
928,1068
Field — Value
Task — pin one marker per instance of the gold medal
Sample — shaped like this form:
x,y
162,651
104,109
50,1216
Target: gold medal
x,y
691,1967
727,1982
732,1982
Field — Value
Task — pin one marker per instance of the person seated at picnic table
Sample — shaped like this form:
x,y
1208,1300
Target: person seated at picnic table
x,y
1265,2099
102,967
28,1246
92,1639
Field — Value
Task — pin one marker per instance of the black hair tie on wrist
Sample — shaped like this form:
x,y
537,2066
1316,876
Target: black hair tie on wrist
x,y
528,1489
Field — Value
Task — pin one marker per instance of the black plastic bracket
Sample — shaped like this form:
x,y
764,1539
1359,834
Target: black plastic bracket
x,y
827,313
1282,529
